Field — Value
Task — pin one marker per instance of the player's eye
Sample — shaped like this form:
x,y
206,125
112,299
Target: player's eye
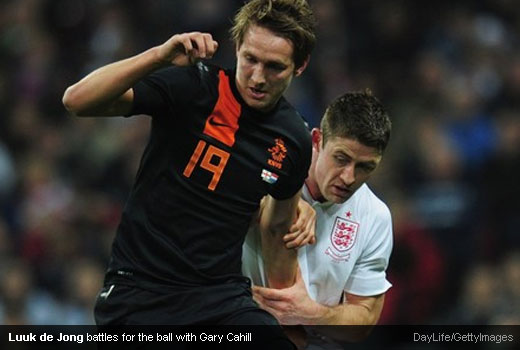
x,y
340,159
276,67
250,59
366,167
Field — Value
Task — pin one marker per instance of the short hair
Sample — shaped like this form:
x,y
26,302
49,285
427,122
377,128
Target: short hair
x,y
360,116
290,19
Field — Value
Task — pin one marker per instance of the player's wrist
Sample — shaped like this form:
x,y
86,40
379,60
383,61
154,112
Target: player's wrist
x,y
317,314
157,58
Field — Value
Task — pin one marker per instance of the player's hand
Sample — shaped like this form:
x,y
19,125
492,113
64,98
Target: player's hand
x,y
187,48
303,231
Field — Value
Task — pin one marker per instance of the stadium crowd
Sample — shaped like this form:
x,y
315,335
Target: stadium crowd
x,y
449,72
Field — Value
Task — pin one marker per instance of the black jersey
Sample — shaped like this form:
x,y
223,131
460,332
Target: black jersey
x,y
209,161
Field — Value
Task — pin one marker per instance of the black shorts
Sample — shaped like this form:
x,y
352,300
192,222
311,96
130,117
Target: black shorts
x,y
219,305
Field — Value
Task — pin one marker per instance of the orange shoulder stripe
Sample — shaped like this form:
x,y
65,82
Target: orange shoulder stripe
x,y
222,124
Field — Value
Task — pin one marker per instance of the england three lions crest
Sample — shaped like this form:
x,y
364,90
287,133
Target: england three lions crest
x,y
342,238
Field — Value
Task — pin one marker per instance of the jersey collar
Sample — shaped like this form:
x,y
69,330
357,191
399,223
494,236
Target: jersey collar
x,y
306,195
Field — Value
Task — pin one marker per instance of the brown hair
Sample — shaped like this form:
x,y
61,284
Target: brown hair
x,y
291,19
359,116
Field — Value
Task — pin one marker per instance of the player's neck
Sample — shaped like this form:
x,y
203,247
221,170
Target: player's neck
x,y
314,190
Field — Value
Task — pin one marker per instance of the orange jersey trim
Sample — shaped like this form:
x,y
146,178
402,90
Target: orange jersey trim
x,y
222,124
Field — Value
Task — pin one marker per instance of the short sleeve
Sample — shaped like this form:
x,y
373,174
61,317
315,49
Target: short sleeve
x,y
369,274
301,161
163,92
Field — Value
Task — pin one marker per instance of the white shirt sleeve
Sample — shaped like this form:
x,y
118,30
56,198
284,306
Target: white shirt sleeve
x,y
252,261
368,276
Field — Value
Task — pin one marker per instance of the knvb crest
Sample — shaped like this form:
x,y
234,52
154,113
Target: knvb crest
x,y
278,153
342,237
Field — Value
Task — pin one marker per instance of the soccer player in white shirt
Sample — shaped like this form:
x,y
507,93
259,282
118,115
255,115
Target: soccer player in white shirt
x,y
342,279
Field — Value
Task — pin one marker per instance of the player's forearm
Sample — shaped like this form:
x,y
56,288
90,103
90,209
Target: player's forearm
x,y
280,263
343,314
98,92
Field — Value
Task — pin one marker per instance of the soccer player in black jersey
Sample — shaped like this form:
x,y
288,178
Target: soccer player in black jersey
x,y
220,141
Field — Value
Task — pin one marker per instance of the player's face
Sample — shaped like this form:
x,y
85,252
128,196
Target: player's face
x,y
340,168
265,67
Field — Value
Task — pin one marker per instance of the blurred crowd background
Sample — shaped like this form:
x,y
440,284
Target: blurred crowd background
x,y
448,71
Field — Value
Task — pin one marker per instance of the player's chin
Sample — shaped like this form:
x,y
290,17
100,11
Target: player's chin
x,y
263,104
338,198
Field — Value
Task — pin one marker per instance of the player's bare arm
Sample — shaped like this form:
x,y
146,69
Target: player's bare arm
x,y
293,306
303,230
107,91
276,218
356,310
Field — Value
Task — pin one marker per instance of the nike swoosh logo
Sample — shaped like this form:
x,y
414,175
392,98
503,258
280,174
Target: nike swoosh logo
x,y
215,123
105,295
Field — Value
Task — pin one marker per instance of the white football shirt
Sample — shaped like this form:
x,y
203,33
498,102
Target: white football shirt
x,y
351,253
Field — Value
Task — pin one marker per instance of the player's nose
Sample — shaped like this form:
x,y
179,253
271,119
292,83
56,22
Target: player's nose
x,y
348,175
258,76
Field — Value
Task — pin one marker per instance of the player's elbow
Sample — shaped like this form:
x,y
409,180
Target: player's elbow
x,y
275,229
69,101
72,102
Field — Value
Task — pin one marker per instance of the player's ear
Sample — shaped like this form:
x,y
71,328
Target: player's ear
x,y
301,68
316,139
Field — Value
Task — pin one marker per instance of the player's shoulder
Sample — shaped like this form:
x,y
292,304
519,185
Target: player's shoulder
x,y
205,73
200,71
182,79
372,203
375,217
207,69
286,109
292,121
